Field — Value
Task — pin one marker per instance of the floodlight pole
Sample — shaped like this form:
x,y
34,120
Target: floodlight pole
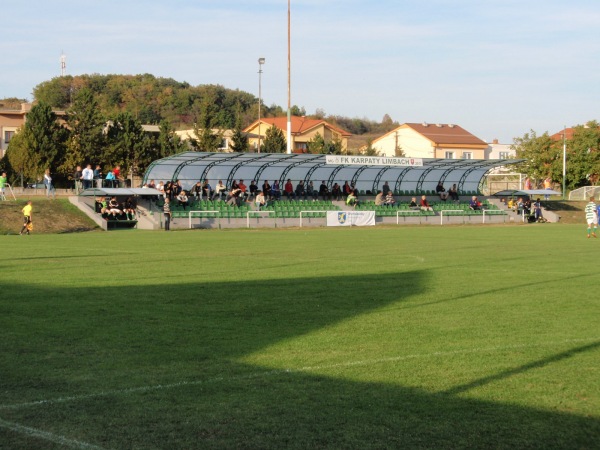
x,y
261,61
564,172
289,110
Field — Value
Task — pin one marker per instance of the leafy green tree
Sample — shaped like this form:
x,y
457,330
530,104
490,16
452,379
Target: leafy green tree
x,y
317,145
274,141
168,142
239,140
541,154
207,140
39,145
87,140
129,146
370,150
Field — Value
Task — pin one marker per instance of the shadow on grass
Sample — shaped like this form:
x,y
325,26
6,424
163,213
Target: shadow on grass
x,y
70,343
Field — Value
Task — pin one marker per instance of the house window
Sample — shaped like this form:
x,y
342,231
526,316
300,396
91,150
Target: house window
x,y
8,136
504,155
449,155
301,146
467,155
224,145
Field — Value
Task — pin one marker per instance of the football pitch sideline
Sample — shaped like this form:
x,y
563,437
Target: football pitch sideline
x,y
386,337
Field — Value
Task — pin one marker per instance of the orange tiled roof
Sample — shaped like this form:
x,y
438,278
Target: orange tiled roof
x,y
559,136
442,134
299,124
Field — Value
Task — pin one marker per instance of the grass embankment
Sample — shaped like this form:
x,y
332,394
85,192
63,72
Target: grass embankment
x,y
384,337
48,217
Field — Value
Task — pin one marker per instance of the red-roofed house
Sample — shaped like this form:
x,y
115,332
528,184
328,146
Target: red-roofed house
x,y
303,130
425,140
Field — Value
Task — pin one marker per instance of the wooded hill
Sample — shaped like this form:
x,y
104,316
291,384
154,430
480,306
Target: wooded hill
x,y
152,99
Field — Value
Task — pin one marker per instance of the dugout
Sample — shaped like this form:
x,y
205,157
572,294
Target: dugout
x,y
368,174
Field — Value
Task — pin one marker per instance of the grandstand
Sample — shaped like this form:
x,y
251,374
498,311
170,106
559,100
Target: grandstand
x,y
413,178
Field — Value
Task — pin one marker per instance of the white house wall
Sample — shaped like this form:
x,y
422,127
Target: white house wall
x,y
412,143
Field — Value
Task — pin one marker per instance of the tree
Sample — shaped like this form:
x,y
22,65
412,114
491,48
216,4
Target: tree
x,y
274,141
316,144
129,147
39,145
168,142
370,150
206,139
87,140
544,156
239,141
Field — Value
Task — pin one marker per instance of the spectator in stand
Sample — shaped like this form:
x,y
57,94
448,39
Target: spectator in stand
x,y
547,186
243,188
98,176
253,190
453,192
234,185
425,206
78,178
266,189
260,201
413,204
176,188
386,189
336,192
207,190
527,184
275,190
87,176
324,191
441,191
379,200
352,200
117,174
151,185
288,188
300,191
311,191
110,179
233,198
161,188
346,189
389,199
219,190
169,190
197,191
182,199
475,204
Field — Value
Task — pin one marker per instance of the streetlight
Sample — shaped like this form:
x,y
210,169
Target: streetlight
x,y
261,61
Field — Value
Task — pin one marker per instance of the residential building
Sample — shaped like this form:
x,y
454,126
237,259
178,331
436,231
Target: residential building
x,y
303,130
424,140
496,150
226,137
11,119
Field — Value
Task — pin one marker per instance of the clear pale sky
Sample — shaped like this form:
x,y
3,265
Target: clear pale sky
x,y
496,68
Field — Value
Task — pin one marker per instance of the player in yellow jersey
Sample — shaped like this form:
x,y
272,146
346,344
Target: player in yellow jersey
x,y
26,218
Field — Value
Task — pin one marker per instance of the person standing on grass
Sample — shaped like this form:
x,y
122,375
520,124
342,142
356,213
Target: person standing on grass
x,y
3,182
26,218
167,213
50,191
591,216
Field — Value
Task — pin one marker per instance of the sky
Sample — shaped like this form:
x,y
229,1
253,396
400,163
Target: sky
x,y
497,68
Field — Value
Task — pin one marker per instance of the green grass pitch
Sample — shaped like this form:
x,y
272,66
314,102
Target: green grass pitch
x,y
387,337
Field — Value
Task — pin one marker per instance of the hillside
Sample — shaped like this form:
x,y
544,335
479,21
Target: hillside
x,y
49,217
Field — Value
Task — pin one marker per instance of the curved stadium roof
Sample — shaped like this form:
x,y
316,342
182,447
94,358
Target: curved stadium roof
x,y
191,167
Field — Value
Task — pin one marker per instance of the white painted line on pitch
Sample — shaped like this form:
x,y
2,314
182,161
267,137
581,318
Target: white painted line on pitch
x,y
34,432
366,362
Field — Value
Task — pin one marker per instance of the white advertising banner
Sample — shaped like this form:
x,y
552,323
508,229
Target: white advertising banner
x,y
373,160
350,218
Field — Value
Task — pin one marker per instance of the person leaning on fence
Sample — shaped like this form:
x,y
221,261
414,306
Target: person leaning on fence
x,y
27,218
